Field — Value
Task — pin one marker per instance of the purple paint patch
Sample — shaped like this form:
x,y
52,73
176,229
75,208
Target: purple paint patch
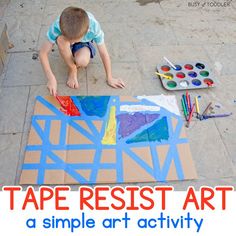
x,y
129,123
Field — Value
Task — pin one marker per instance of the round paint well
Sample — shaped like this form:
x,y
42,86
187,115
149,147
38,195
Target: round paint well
x,y
169,74
188,67
196,82
200,66
178,67
208,81
165,68
184,83
171,84
192,74
204,73
180,75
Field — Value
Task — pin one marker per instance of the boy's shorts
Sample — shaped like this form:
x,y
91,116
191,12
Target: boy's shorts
x,y
77,46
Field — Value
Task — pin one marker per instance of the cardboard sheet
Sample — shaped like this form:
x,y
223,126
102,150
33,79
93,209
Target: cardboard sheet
x,y
112,139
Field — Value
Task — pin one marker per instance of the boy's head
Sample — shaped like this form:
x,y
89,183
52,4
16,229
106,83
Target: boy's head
x,y
74,23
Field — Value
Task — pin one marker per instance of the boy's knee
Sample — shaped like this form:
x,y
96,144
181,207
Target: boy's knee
x,y
82,61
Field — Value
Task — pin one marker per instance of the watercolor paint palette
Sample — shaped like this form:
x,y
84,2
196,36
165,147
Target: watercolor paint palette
x,y
195,75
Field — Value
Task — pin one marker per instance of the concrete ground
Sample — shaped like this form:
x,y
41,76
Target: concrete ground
x,y
138,34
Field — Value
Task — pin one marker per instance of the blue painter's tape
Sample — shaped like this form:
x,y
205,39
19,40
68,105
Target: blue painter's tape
x,y
67,147
50,106
96,162
66,167
63,117
79,178
119,165
61,166
42,134
63,131
84,132
173,154
43,157
139,161
156,165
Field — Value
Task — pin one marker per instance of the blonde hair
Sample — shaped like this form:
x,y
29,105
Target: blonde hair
x,y
74,22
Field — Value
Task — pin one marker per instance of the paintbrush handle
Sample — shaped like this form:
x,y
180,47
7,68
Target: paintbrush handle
x,y
217,116
186,103
190,102
207,108
170,63
165,76
197,105
190,115
184,109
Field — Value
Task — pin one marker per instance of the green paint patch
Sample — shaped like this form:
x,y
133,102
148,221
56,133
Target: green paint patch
x,y
204,73
171,84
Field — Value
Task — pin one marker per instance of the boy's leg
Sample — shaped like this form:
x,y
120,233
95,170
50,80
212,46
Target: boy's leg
x,y
82,57
65,51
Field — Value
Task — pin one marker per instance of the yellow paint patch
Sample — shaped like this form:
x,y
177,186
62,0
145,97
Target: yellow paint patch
x,y
109,137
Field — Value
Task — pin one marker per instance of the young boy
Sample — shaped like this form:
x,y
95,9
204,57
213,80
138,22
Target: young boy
x,y
75,33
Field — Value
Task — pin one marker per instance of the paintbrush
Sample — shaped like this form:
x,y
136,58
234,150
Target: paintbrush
x,y
217,115
197,107
184,109
170,63
207,108
185,103
188,102
190,116
162,75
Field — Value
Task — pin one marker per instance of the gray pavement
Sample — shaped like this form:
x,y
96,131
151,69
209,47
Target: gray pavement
x,y
138,34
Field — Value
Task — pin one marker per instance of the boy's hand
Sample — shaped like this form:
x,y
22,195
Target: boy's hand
x,y
116,83
52,85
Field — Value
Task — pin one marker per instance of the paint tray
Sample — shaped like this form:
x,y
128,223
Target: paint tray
x,y
193,75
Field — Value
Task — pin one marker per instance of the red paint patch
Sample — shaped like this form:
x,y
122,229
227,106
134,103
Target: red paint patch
x,y
180,75
188,67
165,68
67,106
208,82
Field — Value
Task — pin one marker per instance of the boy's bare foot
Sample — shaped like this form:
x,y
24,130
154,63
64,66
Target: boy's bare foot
x,y
72,81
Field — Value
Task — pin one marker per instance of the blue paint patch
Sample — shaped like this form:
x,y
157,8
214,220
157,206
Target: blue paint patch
x,y
157,132
94,105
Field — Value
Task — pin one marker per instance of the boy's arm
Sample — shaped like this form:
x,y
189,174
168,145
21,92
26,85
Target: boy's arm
x,y
115,83
43,55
